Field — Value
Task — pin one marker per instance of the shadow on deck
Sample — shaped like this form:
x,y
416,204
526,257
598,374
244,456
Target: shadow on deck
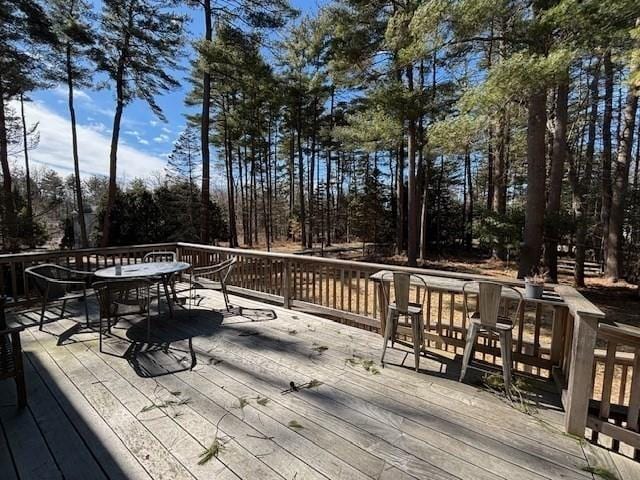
x,y
270,393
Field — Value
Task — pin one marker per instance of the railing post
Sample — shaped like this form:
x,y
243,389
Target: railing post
x,y
558,330
579,391
286,283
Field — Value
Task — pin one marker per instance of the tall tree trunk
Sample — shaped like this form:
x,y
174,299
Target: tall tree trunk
x,y
400,219
412,214
328,169
558,156
536,179
621,179
205,232
29,231
115,134
468,207
582,186
500,181
606,150
113,162
74,147
10,223
312,169
303,217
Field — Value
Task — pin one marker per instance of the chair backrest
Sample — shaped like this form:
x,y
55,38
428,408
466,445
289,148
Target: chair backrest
x,y
222,269
160,257
49,279
401,287
489,300
402,282
111,292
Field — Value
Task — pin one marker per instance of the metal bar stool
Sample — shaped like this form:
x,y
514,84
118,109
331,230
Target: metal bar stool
x,y
487,319
402,307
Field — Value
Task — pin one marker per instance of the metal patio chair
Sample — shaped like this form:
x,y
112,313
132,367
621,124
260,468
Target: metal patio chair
x,y
121,298
160,257
487,319
165,256
403,307
56,283
213,277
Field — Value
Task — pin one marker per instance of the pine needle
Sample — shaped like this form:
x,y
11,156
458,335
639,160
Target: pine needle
x,y
165,404
262,401
312,384
213,451
243,402
601,472
292,332
295,425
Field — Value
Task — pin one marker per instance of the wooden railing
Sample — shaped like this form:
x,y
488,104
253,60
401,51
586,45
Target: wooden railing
x,y
615,405
13,281
556,341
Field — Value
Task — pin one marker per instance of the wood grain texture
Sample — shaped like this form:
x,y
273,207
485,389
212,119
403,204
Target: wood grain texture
x,y
359,422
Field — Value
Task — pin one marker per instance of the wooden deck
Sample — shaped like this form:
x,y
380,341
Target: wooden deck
x,y
146,413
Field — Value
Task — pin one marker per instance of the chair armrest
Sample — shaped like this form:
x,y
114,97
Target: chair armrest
x,y
8,331
208,270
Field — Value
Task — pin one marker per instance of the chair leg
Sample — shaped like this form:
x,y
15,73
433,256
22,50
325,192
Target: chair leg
x,y
44,306
505,351
417,327
225,295
86,308
64,306
388,332
21,390
472,333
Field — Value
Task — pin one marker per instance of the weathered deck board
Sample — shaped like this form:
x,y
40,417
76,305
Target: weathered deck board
x,y
92,407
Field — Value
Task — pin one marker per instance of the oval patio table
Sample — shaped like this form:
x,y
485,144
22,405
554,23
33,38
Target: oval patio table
x,y
163,270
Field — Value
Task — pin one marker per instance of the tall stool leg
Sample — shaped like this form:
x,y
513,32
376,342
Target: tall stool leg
x,y
472,333
417,329
388,332
505,351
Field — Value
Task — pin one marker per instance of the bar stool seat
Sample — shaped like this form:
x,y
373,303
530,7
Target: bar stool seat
x,y
412,309
502,323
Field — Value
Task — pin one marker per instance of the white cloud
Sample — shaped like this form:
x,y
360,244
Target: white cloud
x,y
54,149
133,133
162,138
166,130
143,141
153,123
61,91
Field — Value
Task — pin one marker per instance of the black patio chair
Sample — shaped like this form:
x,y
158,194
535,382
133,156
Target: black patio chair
x,y
121,298
55,283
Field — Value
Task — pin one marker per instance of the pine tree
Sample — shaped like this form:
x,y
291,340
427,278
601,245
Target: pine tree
x,y
139,46
23,26
72,22
183,165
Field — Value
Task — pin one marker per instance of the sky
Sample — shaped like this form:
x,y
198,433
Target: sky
x,y
145,140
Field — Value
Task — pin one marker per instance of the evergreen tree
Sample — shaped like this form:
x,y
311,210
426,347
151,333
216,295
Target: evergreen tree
x,y
72,22
24,26
139,46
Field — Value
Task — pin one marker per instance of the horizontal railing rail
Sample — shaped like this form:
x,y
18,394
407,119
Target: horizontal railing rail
x,y
549,341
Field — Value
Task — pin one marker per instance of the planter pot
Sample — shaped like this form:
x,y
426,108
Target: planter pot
x,y
533,290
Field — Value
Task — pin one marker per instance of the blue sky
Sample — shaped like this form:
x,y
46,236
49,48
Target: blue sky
x,y
145,141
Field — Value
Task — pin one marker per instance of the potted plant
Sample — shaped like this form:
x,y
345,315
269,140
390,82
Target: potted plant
x,y
534,285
